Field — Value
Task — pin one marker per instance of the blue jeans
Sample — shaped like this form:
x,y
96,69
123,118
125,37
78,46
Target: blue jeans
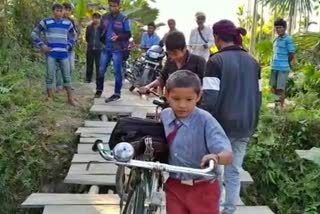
x,y
106,57
232,175
52,66
72,66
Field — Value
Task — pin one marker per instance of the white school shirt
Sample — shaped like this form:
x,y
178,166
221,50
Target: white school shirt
x,y
196,43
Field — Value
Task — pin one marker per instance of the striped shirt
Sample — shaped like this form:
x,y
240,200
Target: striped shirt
x,y
60,36
282,47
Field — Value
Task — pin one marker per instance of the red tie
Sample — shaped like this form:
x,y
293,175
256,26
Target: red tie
x,y
173,133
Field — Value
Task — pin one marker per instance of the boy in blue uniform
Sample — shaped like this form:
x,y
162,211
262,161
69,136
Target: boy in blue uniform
x,y
195,137
283,55
115,36
149,38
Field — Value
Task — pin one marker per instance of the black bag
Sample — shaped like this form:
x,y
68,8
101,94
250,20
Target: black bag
x,y
135,131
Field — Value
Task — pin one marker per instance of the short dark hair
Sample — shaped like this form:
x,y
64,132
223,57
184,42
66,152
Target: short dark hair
x,y
67,6
96,15
114,1
171,20
152,24
183,79
175,41
57,6
280,22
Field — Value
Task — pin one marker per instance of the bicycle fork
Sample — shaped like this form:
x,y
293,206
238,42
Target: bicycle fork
x,y
155,198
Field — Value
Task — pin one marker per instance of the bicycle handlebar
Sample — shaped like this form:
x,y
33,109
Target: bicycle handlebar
x,y
207,172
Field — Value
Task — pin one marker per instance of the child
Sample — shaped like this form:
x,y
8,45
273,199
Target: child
x,y
283,55
195,137
179,58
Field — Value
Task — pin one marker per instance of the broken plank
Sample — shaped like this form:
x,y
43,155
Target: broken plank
x,y
39,200
121,110
94,169
87,148
92,123
91,140
107,180
94,130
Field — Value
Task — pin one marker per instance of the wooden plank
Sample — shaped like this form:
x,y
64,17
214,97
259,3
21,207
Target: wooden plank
x,y
140,114
131,101
39,200
94,130
107,180
87,148
94,135
92,123
90,140
120,110
112,209
94,169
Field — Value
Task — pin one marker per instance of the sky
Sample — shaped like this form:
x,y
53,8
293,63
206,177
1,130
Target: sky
x,y
183,11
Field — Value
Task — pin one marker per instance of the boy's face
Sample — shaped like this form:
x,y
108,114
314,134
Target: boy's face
x,y
114,7
280,30
96,20
67,12
201,20
151,30
58,13
182,101
177,55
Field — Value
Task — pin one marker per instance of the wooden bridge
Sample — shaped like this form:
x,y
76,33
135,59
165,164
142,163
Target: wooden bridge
x,y
99,175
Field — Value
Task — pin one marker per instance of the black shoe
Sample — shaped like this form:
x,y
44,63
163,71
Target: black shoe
x,y
98,94
112,98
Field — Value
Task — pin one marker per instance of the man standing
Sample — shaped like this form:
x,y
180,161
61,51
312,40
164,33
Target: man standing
x,y
60,37
172,27
231,93
115,35
201,38
94,46
149,38
283,55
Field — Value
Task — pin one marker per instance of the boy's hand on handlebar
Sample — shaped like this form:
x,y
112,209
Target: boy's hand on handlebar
x,y
205,160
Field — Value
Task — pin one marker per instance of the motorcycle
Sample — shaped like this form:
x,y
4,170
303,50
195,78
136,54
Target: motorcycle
x,y
146,68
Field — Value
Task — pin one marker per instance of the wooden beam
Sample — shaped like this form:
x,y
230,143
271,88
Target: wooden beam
x,y
120,110
92,123
94,130
91,140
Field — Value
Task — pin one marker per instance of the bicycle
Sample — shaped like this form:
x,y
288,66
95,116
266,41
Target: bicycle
x,y
140,193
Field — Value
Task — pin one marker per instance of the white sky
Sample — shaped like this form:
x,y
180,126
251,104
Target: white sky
x,y
183,11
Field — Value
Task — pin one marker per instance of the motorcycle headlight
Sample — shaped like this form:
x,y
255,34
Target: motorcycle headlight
x,y
153,55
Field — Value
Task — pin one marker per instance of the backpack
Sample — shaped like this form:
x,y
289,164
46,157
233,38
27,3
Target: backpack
x,y
138,132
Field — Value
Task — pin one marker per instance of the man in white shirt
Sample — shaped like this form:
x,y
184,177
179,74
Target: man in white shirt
x,y
201,38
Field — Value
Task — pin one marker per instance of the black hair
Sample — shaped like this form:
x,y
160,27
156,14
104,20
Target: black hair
x,y
152,24
96,15
114,1
184,79
57,6
67,6
280,22
171,20
175,41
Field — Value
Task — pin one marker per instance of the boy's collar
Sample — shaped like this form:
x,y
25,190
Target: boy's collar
x,y
185,121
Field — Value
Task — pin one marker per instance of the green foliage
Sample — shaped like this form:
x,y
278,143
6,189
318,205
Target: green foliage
x,y
264,50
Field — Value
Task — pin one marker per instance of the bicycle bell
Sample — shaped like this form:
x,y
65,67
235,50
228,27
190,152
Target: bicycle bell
x,y
123,152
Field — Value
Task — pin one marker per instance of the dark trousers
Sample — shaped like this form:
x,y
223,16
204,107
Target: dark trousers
x,y
93,58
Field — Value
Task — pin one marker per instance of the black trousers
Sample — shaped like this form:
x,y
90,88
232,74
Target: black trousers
x,y
93,58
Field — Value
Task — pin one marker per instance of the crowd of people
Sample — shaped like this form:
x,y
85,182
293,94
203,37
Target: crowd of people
x,y
214,99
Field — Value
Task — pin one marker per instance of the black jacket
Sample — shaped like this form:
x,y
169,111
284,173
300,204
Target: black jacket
x,y
93,37
231,91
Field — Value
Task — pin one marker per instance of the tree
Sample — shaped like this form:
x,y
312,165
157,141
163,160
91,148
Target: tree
x,y
254,27
292,6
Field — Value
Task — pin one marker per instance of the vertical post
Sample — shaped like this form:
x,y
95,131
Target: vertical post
x,y
253,29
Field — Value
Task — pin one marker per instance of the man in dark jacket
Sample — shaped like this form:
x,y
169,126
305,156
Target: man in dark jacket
x,y
94,46
231,93
115,35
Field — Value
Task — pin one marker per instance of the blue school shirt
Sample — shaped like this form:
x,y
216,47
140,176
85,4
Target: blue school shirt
x,y
282,47
199,134
147,41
